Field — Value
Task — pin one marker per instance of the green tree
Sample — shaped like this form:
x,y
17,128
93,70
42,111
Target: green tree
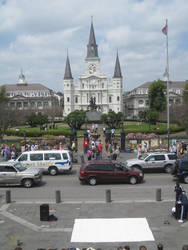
x,y
36,119
76,119
3,96
185,93
149,116
5,113
156,96
112,119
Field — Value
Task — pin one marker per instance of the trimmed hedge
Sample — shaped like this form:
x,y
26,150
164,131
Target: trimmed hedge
x,y
35,132
38,133
160,131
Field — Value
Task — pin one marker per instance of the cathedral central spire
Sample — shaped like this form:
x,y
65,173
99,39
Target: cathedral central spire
x,y
92,50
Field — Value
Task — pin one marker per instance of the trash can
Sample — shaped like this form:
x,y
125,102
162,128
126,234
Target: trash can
x,y
44,212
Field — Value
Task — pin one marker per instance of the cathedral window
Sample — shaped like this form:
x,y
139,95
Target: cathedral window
x,y
110,98
82,85
76,99
102,85
68,99
118,98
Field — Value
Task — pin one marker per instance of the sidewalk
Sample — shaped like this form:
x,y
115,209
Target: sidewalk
x,y
21,222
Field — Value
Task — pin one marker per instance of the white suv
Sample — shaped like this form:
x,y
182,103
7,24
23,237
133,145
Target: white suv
x,y
154,160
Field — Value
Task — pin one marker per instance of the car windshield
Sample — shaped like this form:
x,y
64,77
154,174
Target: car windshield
x,y
19,167
124,166
142,157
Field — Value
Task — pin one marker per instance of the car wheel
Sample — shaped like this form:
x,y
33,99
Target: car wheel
x,y
92,181
53,171
186,179
27,183
168,169
133,180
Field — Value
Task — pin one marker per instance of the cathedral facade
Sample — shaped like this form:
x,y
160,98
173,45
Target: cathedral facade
x,y
93,86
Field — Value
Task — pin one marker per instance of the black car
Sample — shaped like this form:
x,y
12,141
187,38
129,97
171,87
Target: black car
x,y
181,170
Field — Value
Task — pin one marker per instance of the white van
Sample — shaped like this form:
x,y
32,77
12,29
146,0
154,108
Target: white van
x,y
51,161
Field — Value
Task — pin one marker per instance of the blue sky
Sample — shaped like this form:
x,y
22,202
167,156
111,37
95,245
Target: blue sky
x,y
35,36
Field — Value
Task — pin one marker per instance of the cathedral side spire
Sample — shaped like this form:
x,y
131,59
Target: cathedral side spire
x,y
92,47
68,74
117,70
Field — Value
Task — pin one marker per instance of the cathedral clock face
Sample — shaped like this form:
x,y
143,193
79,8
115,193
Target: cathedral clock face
x,y
92,68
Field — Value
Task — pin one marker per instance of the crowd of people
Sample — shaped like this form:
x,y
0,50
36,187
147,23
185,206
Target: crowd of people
x,y
94,148
8,152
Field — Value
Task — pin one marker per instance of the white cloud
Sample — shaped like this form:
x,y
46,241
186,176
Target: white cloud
x,y
35,36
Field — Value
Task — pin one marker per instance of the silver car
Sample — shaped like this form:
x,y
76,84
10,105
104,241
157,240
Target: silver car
x,y
154,160
15,174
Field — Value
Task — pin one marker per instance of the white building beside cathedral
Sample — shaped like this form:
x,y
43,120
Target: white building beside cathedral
x,y
93,84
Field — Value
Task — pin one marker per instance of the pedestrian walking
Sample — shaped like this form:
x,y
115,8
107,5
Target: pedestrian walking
x,y
178,189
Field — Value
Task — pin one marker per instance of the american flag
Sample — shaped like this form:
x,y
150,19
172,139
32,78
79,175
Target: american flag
x,y
165,29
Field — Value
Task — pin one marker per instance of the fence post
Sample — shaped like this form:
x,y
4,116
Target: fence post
x,y
8,196
108,195
158,194
58,196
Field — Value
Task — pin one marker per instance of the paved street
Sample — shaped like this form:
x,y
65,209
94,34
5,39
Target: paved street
x,y
20,220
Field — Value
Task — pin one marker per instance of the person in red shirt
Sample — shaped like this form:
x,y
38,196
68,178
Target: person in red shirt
x,y
86,145
100,148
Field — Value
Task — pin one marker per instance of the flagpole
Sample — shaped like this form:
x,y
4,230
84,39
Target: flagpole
x,y
167,88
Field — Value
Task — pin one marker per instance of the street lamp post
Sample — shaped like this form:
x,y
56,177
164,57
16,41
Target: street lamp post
x,y
24,138
122,136
166,79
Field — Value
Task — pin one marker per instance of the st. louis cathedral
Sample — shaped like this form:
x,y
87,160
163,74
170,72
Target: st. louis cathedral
x,y
93,86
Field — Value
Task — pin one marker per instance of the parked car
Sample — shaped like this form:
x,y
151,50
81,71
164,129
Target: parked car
x,y
94,172
154,160
49,161
181,170
15,174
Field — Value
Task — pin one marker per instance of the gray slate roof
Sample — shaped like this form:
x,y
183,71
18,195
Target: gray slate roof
x,y
25,86
172,84
68,74
117,71
92,50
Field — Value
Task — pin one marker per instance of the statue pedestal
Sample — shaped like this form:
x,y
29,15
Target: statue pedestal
x,y
93,115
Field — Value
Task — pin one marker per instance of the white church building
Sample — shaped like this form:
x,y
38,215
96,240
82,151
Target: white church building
x,y
93,84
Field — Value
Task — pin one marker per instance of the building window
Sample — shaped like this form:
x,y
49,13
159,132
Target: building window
x,y
110,99
12,104
32,104
118,98
178,101
25,104
39,104
68,99
83,86
46,104
76,99
19,104
103,85
140,102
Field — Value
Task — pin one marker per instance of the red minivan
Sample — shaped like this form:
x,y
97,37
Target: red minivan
x,y
101,171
